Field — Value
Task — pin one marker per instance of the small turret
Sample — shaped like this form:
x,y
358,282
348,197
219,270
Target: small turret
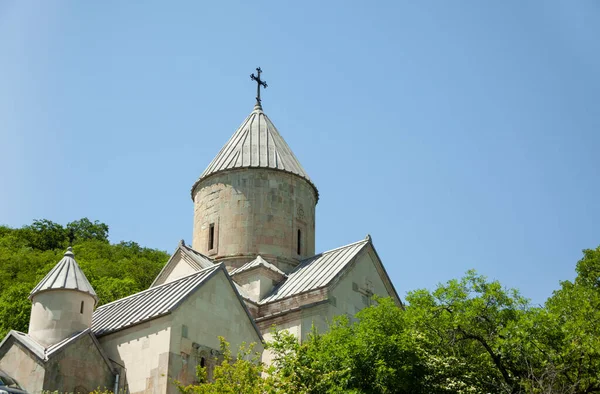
x,y
63,303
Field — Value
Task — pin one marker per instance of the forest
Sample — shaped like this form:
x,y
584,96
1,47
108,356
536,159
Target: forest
x,y
28,253
468,335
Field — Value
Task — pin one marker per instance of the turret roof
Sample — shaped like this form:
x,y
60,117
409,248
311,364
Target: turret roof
x,y
66,275
256,144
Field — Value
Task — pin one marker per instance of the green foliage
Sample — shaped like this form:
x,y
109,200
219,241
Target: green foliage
x,y
378,353
84,229
575,345
468,336
27,254
471,325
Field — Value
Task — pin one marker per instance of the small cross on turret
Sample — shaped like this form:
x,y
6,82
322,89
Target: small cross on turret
x,y
259,82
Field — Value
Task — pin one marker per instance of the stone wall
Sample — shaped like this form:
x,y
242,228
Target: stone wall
x,y
22,365
58,314
351,293
78,368
346,296
292,322
144,351
213,311
180,269
255,211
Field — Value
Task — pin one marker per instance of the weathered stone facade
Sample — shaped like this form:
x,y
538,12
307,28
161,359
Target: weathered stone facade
x,y
58,314
255,211
23,365
197,324
78,366
345,295
159,351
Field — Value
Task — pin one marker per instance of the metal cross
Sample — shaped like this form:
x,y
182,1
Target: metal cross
x,y
259,82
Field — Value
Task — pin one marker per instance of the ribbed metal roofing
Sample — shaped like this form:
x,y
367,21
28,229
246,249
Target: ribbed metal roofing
x,y
39,350
201,260
65,275
148,304
256,144
316,272
257,262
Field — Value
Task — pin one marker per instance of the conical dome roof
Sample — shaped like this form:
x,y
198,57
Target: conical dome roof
x,y
66,275
256,144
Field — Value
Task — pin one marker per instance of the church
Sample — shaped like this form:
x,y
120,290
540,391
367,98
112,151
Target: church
x,y
251,266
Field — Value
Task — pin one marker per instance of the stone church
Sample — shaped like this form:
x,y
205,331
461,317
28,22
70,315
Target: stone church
x,y
251,265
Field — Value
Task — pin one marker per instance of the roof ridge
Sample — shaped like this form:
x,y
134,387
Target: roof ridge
x,y
190,249
255,263
160,286
334,249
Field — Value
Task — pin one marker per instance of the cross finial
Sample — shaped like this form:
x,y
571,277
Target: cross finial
x,y
259,82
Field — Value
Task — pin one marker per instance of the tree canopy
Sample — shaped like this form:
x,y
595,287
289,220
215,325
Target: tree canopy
x,y
468,336
28,253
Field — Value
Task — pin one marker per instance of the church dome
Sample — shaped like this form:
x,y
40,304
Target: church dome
x,y
256,144
66,275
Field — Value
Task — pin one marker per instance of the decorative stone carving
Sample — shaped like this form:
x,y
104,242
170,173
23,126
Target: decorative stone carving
x,y
300,212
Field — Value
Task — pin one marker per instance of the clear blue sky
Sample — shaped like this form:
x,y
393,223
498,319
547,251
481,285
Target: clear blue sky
x,y
459,134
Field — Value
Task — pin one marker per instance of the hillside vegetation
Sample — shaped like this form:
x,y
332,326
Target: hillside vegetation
x,y
27,254
468,336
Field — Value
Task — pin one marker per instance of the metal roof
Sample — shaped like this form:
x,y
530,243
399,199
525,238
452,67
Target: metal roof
x,y
256,144
316,272
148,304
258,262
65,275
38,349
202,260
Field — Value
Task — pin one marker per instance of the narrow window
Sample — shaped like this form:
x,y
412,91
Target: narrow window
x,y
202,362
299,241
81,307
211,236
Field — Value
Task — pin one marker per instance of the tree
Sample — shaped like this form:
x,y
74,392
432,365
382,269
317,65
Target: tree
x,y
15,308
468,336
84,229
45,235
27,254
377,352
576,345
471,327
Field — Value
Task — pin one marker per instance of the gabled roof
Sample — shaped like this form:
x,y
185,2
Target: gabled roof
x,y
148,304
256,144
258,262
202,260
65,275
316,272
44,354
196,260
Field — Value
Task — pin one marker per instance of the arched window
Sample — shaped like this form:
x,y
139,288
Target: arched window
x,y
299,241
81,307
